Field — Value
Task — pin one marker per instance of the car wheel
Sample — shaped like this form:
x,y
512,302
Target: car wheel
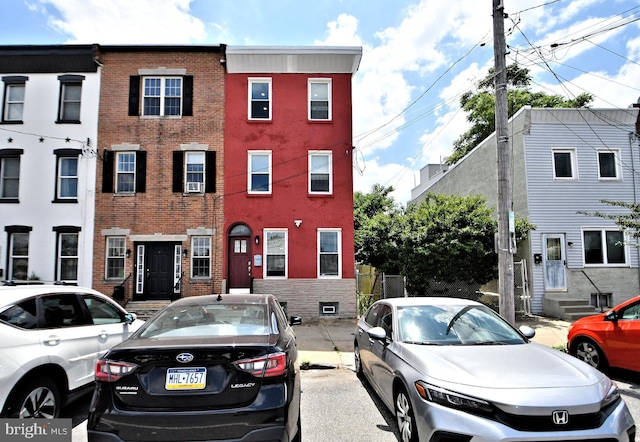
x,y
357,361
588,351
37,399
405,417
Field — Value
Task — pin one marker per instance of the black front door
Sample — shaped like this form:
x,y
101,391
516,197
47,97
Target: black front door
x,y
159,271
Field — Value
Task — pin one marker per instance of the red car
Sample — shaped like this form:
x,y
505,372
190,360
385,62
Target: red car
x,y
610,339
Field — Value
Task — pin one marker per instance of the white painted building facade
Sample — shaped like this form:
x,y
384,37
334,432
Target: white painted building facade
x,y
48,156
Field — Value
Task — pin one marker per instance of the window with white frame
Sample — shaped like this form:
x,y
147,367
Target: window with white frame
x,y
320,99
67,257
275,250
125,172
259,172
70,98
260,99
116,253
329,253
13,101
320,166
195,162
18,256
201,257
9,176
564,164
67,180
604,247
608,168
162,96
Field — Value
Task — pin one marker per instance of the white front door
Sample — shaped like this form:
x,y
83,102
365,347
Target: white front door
x,y
554,262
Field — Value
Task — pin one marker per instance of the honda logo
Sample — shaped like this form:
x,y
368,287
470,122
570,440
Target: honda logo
x,y
560,417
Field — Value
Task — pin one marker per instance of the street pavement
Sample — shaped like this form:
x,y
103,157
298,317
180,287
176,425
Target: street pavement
x,y
329,342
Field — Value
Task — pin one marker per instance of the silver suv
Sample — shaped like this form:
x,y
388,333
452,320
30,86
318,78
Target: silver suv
x,y
52,336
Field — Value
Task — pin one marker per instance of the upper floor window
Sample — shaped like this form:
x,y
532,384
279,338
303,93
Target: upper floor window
x,y
604,247
70,98
125,172
259,172
67,174
194,171
165,93
320,181
608,164
13,108
564,164
275,250
329,252
128,168
260,99
162,96
319,99
201,257
9,174
116,252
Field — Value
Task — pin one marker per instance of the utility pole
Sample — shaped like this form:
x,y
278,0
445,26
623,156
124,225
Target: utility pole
x,y
505,194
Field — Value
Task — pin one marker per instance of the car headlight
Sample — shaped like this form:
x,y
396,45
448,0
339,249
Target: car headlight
x,y
451,399
613,394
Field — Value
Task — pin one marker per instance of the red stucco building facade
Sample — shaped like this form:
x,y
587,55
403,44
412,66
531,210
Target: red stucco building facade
x,y
288,211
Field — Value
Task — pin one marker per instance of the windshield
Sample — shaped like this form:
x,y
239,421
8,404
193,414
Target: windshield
x,y
213,319
454,325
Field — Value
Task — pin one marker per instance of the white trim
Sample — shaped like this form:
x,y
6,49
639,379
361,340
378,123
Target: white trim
x,y
338,233
329,100
250,154
328,154
265,241
574,163
250,83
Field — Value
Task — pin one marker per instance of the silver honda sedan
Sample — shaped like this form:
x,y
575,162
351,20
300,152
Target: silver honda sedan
x,y
454,370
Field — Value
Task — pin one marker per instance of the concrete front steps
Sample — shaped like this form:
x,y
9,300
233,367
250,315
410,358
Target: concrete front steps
x,y
145,309
568,309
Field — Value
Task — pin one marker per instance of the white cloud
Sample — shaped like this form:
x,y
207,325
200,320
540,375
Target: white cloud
x,y
127,21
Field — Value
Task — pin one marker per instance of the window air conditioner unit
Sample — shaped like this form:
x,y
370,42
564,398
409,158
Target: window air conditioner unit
x,y
194,187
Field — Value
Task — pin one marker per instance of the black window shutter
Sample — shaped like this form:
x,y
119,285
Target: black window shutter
x,y
107,171
210,168
141,171
134,95
187,104
178,158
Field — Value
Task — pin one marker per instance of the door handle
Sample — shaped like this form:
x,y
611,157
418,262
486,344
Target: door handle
x,y
103,334
52,340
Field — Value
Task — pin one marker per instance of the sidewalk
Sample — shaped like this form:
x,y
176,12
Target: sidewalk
x,y
328,343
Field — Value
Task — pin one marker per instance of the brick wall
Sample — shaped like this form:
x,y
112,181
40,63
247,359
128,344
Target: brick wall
x,y
159,211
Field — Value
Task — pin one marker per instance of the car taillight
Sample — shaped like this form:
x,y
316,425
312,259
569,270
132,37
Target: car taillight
x,y
266,366
111,371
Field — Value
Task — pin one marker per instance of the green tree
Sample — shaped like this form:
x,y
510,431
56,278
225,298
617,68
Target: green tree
x,y
629,222
448,238
376,222
480,106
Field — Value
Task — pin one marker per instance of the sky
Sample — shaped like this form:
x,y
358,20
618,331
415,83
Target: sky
x,y
419,56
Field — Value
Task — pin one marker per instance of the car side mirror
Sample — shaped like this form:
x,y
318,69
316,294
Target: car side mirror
x,y
611,316
377,333
527,332
130,317
295,320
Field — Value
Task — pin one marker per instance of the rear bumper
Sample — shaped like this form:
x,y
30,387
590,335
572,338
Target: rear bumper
x,y
274,434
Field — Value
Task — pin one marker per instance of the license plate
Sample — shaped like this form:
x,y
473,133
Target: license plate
x,y
192,378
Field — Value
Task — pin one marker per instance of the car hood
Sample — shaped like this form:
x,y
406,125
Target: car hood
x,y
499,371
589,319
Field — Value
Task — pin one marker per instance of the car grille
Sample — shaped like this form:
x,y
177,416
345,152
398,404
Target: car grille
x,y
545,423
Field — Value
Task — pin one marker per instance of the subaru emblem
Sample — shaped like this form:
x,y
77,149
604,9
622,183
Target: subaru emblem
x,y
560,417
184,358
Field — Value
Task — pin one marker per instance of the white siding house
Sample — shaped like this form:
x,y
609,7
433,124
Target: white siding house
x,y
565,162
48,154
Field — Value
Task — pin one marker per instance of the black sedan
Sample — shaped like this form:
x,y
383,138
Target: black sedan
x,y
215,367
